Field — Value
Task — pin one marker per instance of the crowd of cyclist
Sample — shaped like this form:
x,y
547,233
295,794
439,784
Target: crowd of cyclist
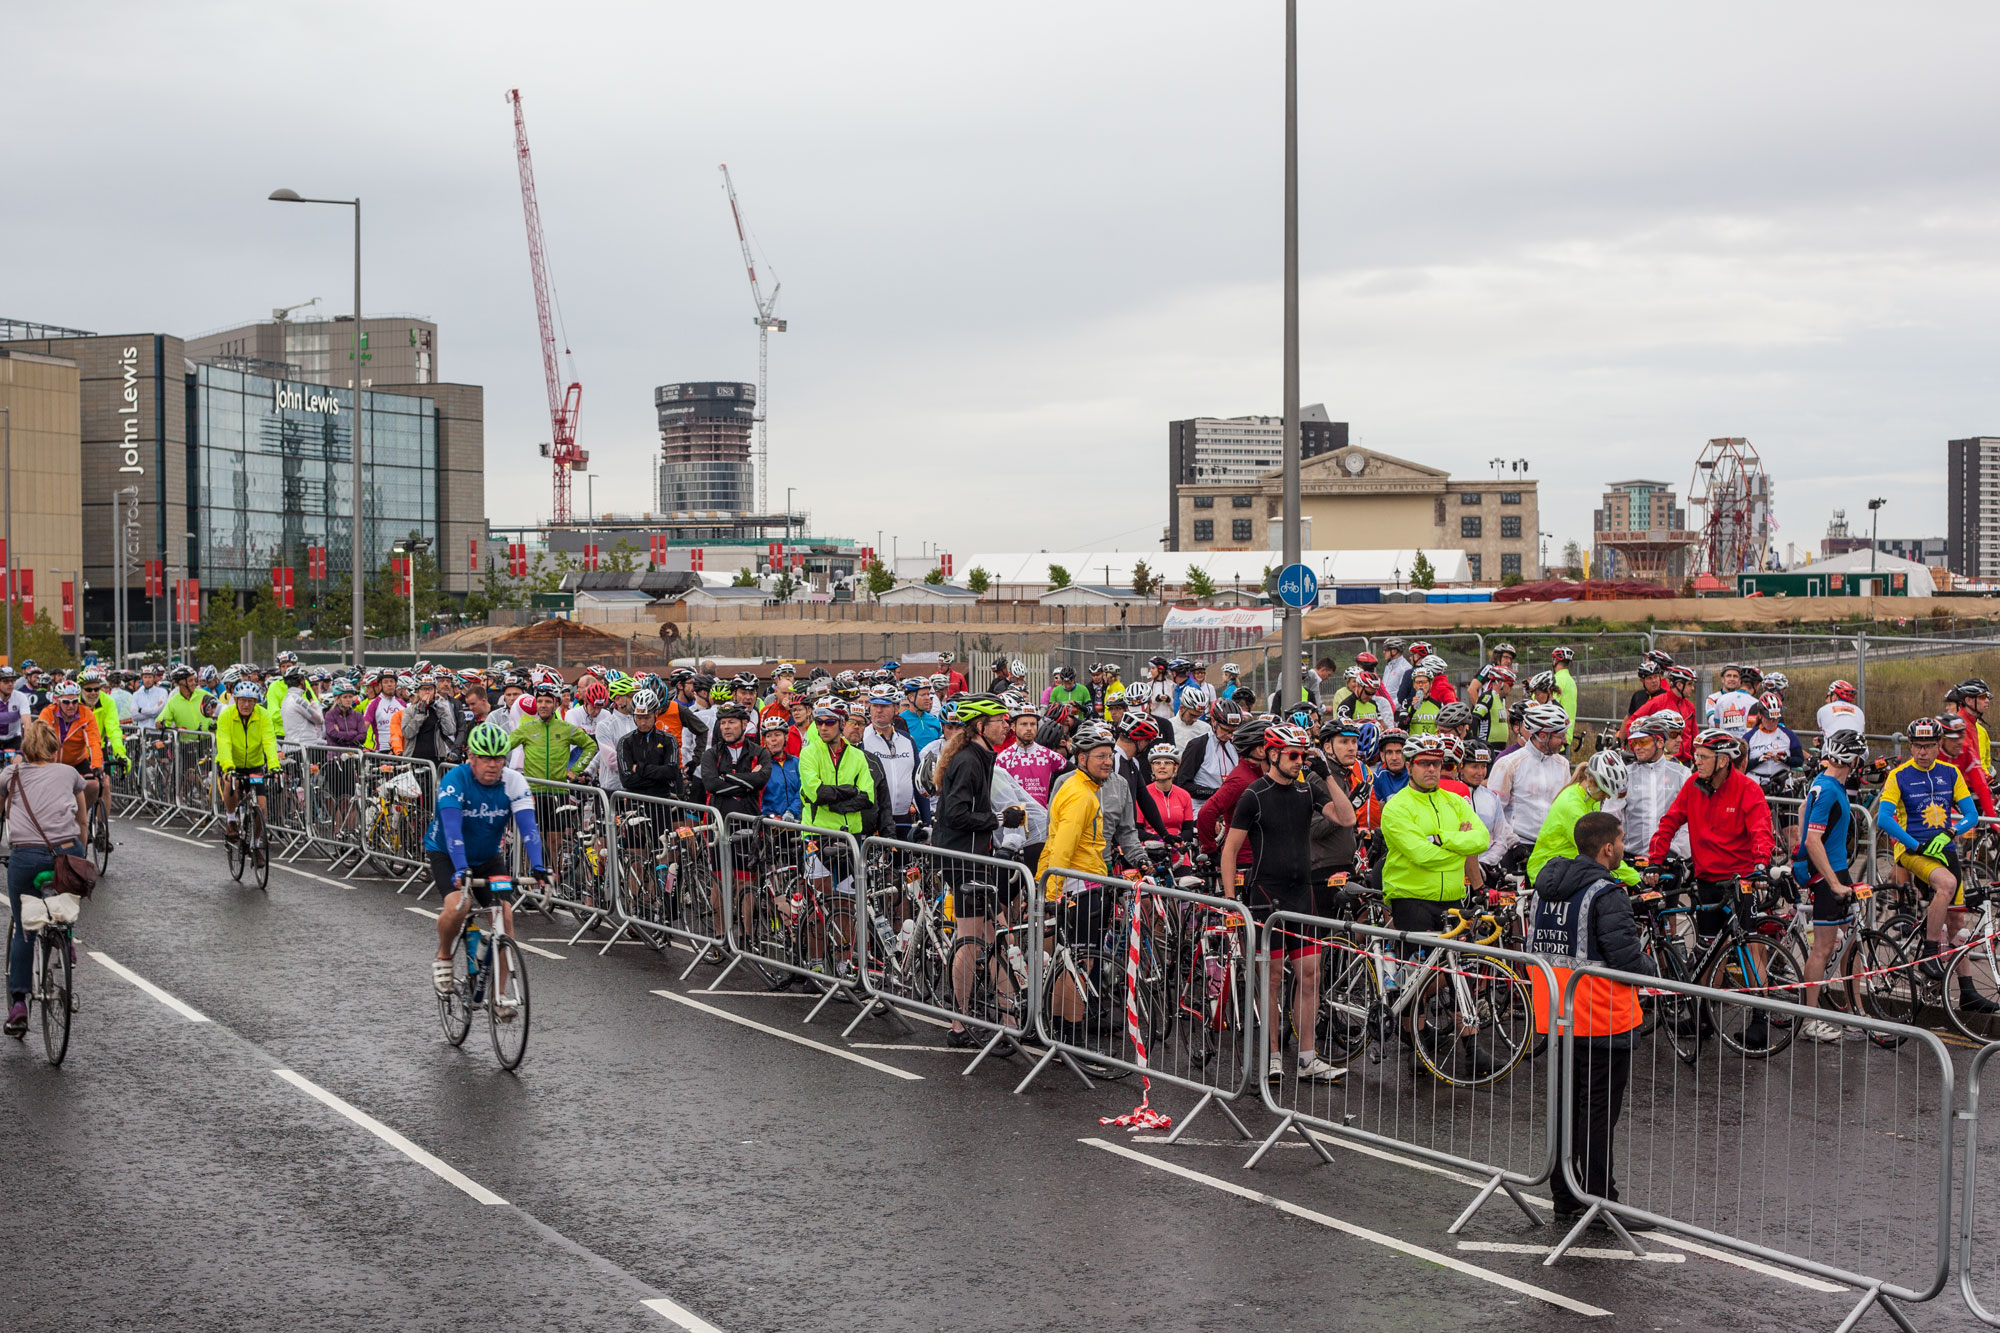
x,y
1382,777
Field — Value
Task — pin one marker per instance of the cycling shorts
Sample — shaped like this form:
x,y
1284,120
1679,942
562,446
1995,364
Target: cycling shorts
x,y
1921,866
1830,908
442,875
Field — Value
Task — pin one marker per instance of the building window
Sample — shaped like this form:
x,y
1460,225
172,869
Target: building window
x,y
1471,497
1470,526
1440,511
1239,529
1241,501
1510,497
1204,529
1472,565
1510,525
1509,564
1204,502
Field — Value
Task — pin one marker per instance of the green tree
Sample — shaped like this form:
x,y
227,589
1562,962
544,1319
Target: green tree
x,y
1511,579
936,576
1572,560
266,620
549,571
624,558
744,579
1144,581
784,586
1199,584
978,580
1270,580
1058,577
880,580
1422,575
43,642
218,639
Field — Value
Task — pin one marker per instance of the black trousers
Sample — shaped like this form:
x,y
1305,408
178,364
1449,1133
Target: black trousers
x,y
1597,1076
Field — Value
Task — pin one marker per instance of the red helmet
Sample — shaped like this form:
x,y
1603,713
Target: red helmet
x,y
594,692
1139,729
1840,690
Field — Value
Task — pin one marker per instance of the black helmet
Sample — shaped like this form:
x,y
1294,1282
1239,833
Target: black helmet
x,y
1066,673
737,711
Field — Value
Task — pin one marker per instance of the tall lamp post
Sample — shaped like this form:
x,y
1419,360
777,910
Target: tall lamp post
x,y
1874,529
413,547
360,560
1294,620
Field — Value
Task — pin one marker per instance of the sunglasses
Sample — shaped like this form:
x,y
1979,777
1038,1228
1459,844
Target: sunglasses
x,y
1291,754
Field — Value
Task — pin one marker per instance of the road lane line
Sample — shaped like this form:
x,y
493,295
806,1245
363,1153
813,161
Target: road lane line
x,y
189,1012
681,1315
897,1046
1580,1251
1740,1261
162,833
792,1037
443,1171
559,957
307,874
1349,1228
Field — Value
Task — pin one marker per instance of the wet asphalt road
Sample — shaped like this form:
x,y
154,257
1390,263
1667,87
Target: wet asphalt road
x,y
167,1177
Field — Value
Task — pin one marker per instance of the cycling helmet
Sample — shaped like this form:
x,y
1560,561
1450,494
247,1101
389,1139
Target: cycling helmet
x,y
1370,684
679,676
209,675
1649,666
973,707
1924,729
1303,715
1542,682
1091,736
1395,645
1546,717
1477,753
1180,664
1681,674
209,703
645,701
1749,678
1017,668
593,692
90,676
1608,769
1196,697
1169,752
1432,665
1115,697
1066,674
1428,745
1772,704
999,665
1225,713
1658,724
940,682
947,658
294,676
826,710
177,675
885,697
736,711
1723,742
1973,689
1776,682
1368,738
1156,661
1394,736
719,692
244,690
1354,675
345,687
623,686
1562,655
1021,706
8,673
1844,747
1504,647
406,682
1420,649
1840,690
1501,676
1953,724
1231,670
772,724
544,690
487,741
1674,723
1368,660
1139,729
1454,715
1285,736
743,680
1337,726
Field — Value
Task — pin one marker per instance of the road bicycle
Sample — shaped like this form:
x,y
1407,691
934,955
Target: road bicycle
x,y
393,819
1469,1018
670,875
98,836
1749,954
913,959
50,924
488,972
789,925
249,847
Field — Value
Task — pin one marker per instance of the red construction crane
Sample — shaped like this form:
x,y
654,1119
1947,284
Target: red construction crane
x,y
563,402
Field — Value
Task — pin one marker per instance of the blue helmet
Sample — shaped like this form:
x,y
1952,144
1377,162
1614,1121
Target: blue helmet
x,y
1370,742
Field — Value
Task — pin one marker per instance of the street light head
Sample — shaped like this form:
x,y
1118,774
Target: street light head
x,y
287,197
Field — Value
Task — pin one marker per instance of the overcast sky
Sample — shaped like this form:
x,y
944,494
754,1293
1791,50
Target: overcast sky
x,y
1016,241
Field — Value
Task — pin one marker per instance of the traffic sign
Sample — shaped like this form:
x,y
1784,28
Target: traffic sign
x,y
1298,586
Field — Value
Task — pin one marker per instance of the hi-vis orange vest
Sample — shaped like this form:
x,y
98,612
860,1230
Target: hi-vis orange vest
x,y
1560,933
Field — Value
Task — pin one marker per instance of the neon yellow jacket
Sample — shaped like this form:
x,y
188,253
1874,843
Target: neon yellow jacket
x,y
1416,867
108,728
1558,835
244,743
184,711
1566,696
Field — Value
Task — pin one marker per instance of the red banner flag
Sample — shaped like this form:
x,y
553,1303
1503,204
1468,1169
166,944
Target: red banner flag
x,y
658,543
156,578
315,562
472,555
798,560
517,559
944,560
402,567
694,558
281,585
25,594
190,602
69,606
590,555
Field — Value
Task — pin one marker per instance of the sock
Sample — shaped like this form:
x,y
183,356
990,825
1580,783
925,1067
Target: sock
x,y
1306,1057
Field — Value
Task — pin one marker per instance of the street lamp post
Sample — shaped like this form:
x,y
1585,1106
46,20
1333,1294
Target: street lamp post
x,y
360,560
1294,620
1874,530
412,548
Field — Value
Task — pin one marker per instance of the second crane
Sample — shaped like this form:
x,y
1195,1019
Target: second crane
x,y
767,323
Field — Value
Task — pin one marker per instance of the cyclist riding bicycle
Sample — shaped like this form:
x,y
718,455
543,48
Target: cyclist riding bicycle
x,y
474,803
98,699
244,743
78,741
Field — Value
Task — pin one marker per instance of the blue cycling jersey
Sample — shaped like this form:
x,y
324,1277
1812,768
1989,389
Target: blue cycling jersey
x,y
1827,812
472,818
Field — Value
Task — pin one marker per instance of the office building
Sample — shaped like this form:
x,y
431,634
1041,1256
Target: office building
x,y
44,439
396,349
1223,450
705,432
1640,531
1973,507
1359,499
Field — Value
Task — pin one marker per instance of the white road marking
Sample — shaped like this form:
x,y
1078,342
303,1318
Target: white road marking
x,y
1580,1251
768,994
162,833
894,1046
681,1315
791,1036
1754,1265
441,1170
307,874
189,1012
1359,1232
559,957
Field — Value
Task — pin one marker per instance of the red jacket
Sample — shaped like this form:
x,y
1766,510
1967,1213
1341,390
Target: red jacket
x,y
1666,701
1729,830
1967,763
1212,820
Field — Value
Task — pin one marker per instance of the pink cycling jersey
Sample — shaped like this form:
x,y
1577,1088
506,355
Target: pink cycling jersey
x,y
1033,766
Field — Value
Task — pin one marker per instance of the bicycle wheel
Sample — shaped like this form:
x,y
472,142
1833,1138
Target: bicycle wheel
x,y
236,850
1879,985
1760,966
100,834
507,1006
1472,1040
53,995
455,1009
1971,1024
1347,1001
259,851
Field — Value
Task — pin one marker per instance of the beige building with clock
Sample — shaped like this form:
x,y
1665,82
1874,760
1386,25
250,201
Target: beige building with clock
x,y
1359,499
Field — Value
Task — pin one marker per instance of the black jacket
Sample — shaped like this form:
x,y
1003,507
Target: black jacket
x,y
1614,935
1133,770
428,731
965,818
649,763
735,787
1192,759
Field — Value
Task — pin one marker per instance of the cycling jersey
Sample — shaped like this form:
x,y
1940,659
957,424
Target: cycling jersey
x,y
244,742
1772,752
1827,813
77,737
472,818
1917,804
1839,715
108,728
545,746
184,711
1729,709
1033,766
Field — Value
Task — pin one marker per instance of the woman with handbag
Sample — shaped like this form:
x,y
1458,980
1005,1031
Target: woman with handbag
x,y
43,804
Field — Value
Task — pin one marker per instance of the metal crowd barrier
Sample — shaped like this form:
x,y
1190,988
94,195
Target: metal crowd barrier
x,y
789,907
1191,996
334,800
1969,1217
288,799
671,861
1394,1009
192,791
127,793
915,895
1833,1159
575,826
394,799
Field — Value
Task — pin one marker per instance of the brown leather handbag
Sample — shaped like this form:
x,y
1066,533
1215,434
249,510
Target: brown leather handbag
x,y
73,874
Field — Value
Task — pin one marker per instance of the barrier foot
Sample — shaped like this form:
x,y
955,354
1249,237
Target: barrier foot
x,y
701,953
1040,1065
1242,1130
987,1049
616,936
826,997
589,924
1589,1216
1618,1230
877,1007
424,892
1207,1098
1874,1296
733,961
412,878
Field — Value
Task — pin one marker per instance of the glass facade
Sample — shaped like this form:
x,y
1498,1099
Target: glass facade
x,y
271,464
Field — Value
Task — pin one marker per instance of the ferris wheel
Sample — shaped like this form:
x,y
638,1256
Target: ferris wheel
x,y
1731,499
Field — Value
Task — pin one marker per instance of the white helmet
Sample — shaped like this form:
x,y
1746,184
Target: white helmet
x,y
1196,696
1608,769
1546,717
1432,665
645,701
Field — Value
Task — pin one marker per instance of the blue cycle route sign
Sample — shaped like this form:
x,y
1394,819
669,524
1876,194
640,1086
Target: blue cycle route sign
x,y
1298,587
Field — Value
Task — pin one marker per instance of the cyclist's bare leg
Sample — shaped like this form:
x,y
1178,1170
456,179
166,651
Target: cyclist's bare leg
x,y
963,968
451,919
1305,1002
1824,939
1944,887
